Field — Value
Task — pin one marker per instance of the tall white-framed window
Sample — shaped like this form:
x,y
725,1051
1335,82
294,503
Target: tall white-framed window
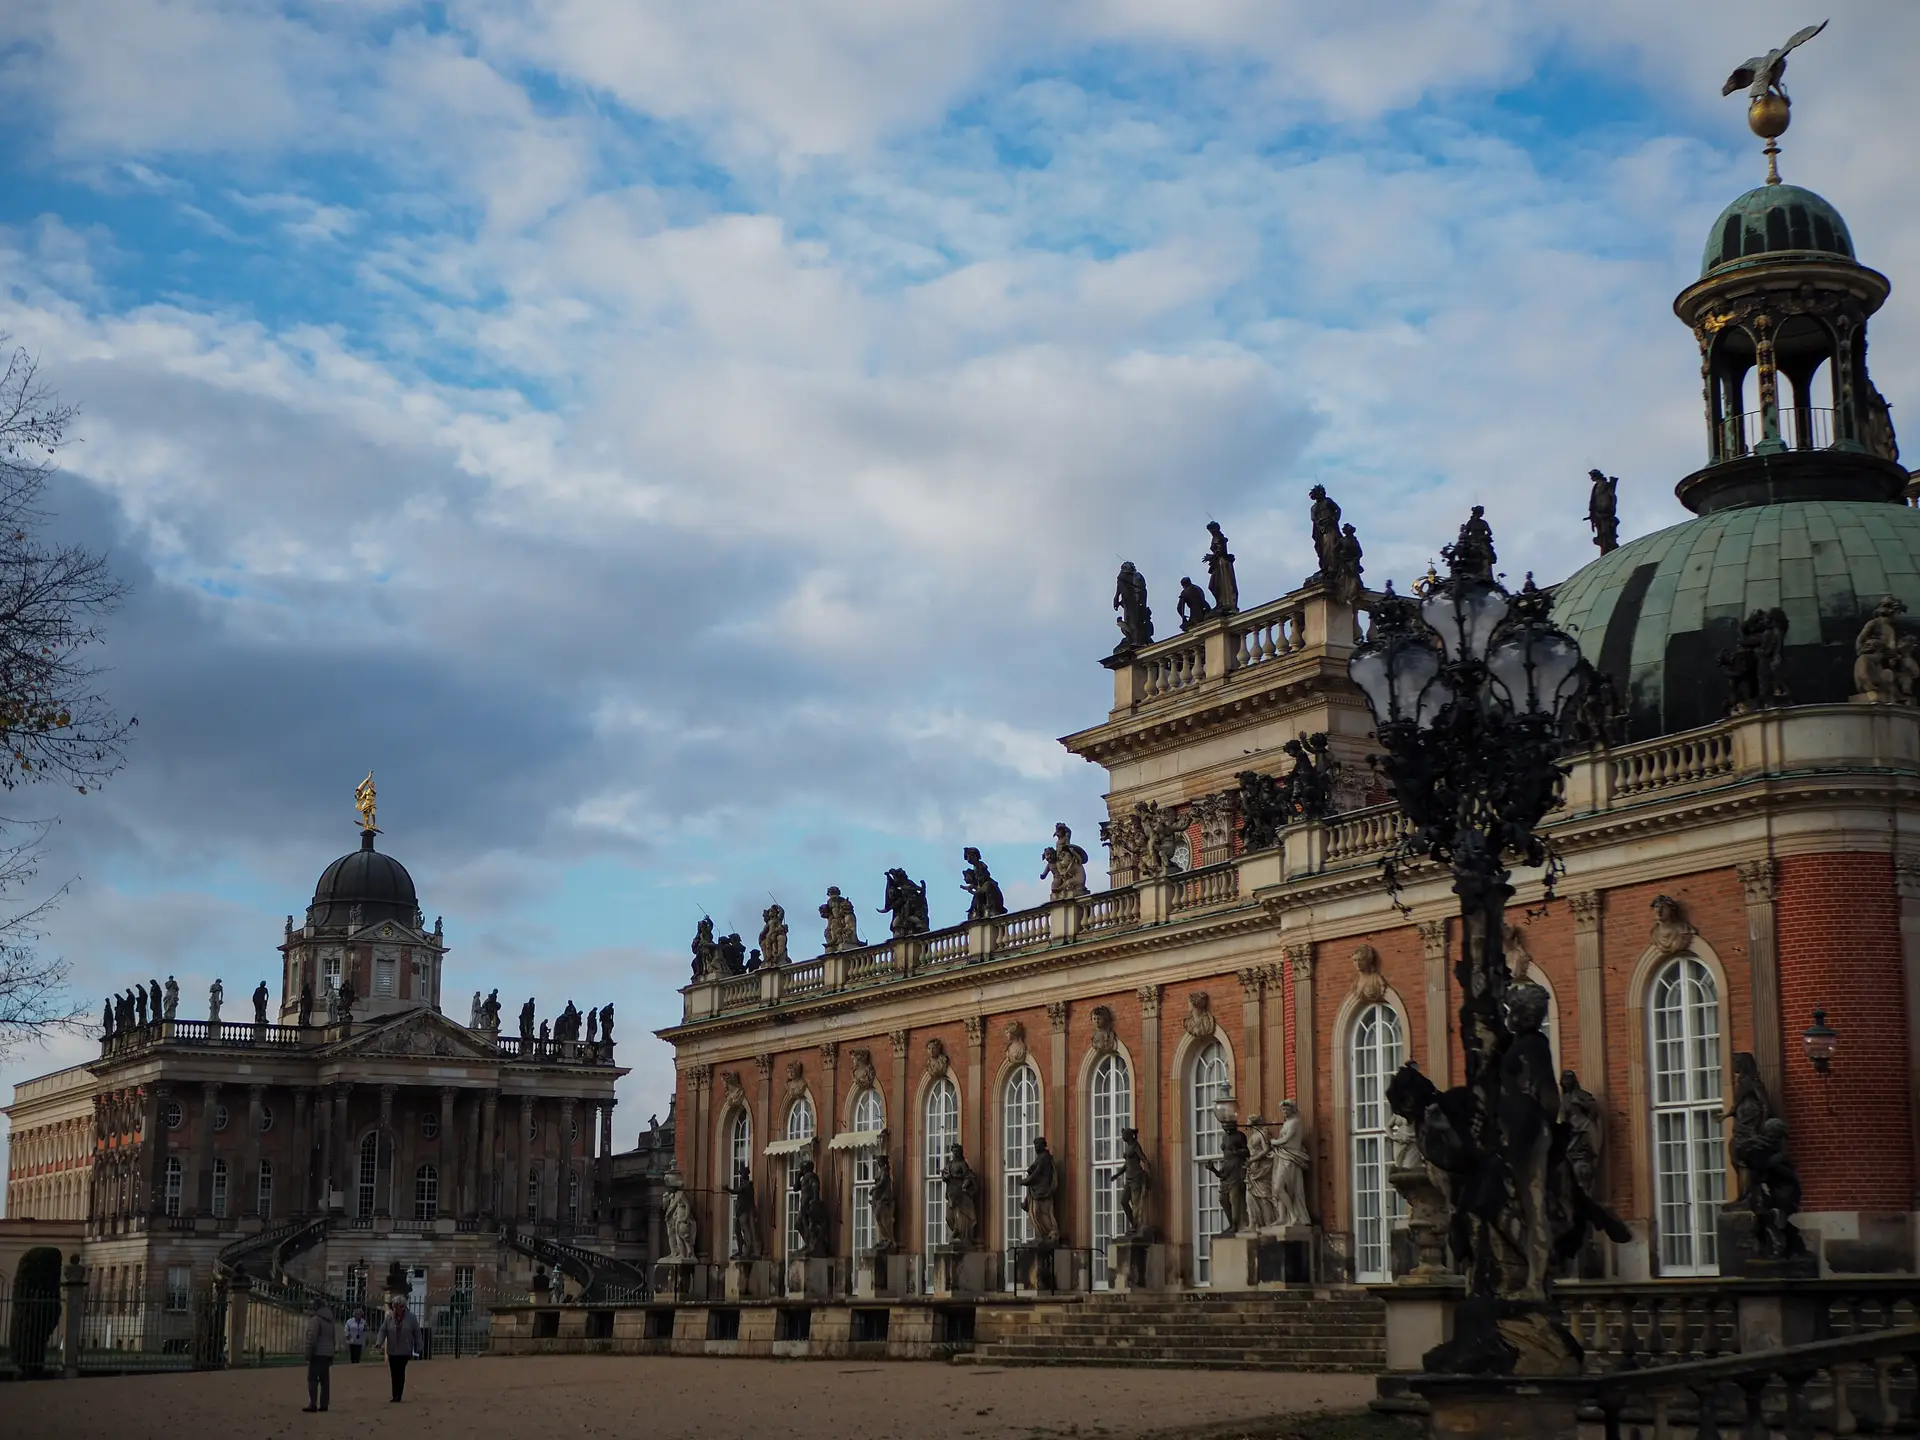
x,y
356,1295
263,1193
1210,1079
1689,1159
801,1125
329,970
369,1172
942,1131
1019,1125
1373,1056
179,1289
533,1191
426,1193
868,1118
739,1152
174,1174
220,1188
386,964
573,1197
1112,1112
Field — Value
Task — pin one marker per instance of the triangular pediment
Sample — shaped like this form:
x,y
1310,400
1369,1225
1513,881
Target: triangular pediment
x,y
418,1032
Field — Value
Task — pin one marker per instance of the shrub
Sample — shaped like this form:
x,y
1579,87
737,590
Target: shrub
x,y
36,1308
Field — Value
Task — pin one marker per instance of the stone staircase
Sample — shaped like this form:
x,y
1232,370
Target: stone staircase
x,y
1330,1329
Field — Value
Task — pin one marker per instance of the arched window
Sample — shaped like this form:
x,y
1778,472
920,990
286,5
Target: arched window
x,y
263,1193
220,1188
1374,1056
369,1169
426,1193
800,1126
533,1192
1112,1113
1209,1082
942,1132
1689,1163
173,1185
573,1197
1019,1124
739,1152
868,1118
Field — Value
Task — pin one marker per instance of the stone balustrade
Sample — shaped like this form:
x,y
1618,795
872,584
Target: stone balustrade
x,y
1871,741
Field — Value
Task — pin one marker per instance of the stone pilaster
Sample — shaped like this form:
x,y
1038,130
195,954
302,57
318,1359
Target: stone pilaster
x,y
825,1125
487,1205
342,1179
1253,989
202,1167
384,1154
603,1174
1906,879
974,1120
153,1121
1056,1075
1759,882
1438,1060
1305,1044
763,1185
250,1176
564,1187
516,1198
1146,1105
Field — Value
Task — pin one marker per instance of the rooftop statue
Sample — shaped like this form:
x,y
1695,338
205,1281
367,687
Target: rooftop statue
x,y
1344,578
1764,75
1135,619
1265,809
843,929
706,951
1472,554
261,995
1066,862
363,801
526,1019
773,935
1603,511
1325,516
978,882
1755,666
1192,605
1220,577
907,902
1886,666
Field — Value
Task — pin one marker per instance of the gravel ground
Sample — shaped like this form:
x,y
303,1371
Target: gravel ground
x,y
565,1396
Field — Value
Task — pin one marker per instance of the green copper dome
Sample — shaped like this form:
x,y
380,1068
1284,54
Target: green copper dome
x,y
1772,219
1656,613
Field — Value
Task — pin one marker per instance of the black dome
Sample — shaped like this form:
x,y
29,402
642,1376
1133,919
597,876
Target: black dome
x,y
378,884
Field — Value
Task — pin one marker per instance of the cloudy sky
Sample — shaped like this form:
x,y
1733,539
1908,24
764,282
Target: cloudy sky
x,y
685,450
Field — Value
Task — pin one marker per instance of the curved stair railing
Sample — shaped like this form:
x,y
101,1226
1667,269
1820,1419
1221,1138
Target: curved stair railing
x,y
269,1252
600,1277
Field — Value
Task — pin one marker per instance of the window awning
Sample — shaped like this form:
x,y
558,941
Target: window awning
x,y
856,1140
789,1147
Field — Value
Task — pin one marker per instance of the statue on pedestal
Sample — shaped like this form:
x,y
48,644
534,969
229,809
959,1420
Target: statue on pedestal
x,y
811,1221
1135,1179
1586,1131
1191,607
746,1226
306,1003
1265,810
1042,1184
139,1007
261,995
216,992
962,1188
343,998
1344,578
1259,1175
907,902
882,1204
1231,1168
676,1210
1135,619
173,998
526,1021
106,1019
1220,577
706,951
153,1000
490,1013
843,931
773,935
557,1285
1603,511
1066,862
1325,515
1290,1162
1886,667
978,881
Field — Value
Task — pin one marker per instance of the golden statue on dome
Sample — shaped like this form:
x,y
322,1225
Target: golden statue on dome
x,y
1769,111
363,801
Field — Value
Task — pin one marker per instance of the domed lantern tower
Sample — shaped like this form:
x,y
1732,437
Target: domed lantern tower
x,y
1781,298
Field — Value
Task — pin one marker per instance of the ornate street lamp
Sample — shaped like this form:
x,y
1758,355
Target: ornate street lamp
x,y
1821,1041
1471,690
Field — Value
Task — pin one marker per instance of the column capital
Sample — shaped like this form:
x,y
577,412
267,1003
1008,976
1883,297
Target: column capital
x,y
976,1030
210,1089
256,1093
700,1075
1433,936
899,1040
1586,909
764,1064
526,1104
447,1092
1057,1015
1149,997
829,1054
1300,959
1759,879
1253,982
566,1106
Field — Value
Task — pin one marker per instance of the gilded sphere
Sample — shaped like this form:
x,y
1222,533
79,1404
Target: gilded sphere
x,y
1769,116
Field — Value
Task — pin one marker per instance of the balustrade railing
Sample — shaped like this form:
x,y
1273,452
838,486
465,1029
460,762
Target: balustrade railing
x,y
1115,910
203,1032
1022,931
1264,636
739,991
1365,832
803,978
945,947
873,963
1196,889
1178,669
1682,761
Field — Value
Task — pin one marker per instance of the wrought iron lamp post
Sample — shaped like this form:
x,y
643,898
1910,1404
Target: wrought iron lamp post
x,y
1471,688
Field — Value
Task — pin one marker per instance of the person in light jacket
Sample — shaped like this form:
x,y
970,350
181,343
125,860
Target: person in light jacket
x,y
320,1340
356,1336
399,1336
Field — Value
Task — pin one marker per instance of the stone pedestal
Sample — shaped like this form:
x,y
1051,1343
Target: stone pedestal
x,y
811,1279
239,1290
882,1275
1426,1224
1137,1265
963,1272
1740,1258
680,1280
1050,1269
1419,1317
1499,1410
1267,1260
749,1279
73,1316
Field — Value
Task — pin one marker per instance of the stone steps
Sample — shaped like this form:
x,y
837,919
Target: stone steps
x,y
1274,1330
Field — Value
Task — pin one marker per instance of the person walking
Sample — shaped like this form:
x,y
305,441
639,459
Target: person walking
x,y
356,1336
320,1342
399,1337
